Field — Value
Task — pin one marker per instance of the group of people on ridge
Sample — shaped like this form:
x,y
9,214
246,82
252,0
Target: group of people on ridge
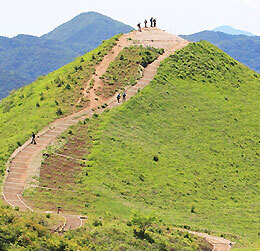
x,y
153,23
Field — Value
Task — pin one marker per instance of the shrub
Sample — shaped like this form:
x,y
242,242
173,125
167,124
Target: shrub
x,y
59,112
142,222
97,223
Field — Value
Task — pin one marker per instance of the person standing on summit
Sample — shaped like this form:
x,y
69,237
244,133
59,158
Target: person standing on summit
x,y
151,21
139,27
145,23
154,23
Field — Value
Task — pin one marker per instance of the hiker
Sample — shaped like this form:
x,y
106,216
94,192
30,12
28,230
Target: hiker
x,y
118,97
145,23
151,20
154,23
33,138
124,95
139,27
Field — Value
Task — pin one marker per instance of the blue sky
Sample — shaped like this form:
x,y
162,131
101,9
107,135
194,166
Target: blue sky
x,y
37,17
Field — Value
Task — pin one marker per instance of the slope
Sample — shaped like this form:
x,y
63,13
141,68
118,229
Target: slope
x,y
114,234
185,149
242,48
50,97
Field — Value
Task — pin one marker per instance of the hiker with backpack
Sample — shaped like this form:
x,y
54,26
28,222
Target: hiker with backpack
x,y
124,96
33,138
118,97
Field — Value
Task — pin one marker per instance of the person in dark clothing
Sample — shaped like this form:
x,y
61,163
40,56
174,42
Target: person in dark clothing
x,y
139,27
33,138
154,23
151,21
124,96
145,23
118,97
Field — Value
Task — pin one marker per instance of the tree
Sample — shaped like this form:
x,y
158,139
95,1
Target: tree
x,y
143,222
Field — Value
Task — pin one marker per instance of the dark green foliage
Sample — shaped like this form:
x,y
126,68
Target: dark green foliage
x,y
245,49
142,222
59,112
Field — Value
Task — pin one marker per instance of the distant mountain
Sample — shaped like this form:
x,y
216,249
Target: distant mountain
x,y
25,57
245,49
88,28
31,56
13,79
232,31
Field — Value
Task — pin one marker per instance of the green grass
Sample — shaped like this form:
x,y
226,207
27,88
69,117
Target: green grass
x,y
36,105
200,119
127,68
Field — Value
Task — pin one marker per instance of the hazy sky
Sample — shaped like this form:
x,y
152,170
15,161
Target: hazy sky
x,y
37,17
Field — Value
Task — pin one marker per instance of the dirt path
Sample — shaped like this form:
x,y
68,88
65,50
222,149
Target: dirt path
x,y
24,162
88,92
218,243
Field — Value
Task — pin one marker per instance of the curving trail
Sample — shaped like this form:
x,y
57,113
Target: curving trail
x,y
24,162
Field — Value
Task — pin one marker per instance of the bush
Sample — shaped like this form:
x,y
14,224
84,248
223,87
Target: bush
x,y
59,112
97,223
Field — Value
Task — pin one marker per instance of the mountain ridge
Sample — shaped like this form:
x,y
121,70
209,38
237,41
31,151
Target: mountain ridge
x,y
232,31
29,57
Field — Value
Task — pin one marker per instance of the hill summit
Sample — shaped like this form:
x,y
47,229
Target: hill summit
x,y
89,27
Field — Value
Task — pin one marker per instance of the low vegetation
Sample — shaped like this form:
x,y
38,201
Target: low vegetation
x,y
127,68
185,150
20,231
36,105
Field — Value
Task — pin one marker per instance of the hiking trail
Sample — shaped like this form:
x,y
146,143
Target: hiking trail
x,y
25,162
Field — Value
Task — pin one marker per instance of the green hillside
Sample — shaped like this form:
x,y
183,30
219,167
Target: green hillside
x,y
245,49
185,149
30,109
34,106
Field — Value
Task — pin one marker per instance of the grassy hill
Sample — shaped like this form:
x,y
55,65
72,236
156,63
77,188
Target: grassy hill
x,y
29,57
185,149
245,49
34,106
